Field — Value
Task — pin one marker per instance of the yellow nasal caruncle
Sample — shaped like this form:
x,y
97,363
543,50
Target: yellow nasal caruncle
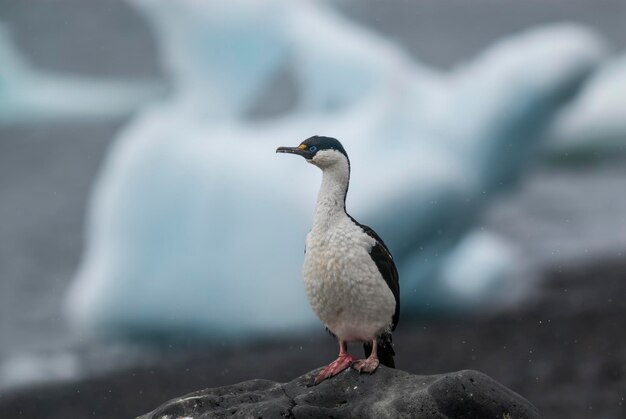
x,y
302,146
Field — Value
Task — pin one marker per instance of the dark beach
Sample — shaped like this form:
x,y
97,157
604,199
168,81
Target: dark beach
x,y
565,351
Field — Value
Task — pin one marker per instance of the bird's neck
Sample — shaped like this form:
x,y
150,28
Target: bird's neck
x,y
331,201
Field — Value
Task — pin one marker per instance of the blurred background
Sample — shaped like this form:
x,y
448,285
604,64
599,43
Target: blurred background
x,y
522,281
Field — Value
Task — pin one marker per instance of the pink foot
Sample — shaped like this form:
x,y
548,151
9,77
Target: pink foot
x,y
335,367
368,365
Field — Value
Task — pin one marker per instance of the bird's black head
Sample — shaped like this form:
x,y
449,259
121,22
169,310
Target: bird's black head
x,y
324,149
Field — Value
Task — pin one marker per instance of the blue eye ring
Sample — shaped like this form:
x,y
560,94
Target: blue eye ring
x,y
313,149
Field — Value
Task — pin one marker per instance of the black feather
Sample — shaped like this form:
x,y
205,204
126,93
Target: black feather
x,y
381,256
384,262
384,351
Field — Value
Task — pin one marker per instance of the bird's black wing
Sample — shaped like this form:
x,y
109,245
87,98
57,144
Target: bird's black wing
x,y
384,262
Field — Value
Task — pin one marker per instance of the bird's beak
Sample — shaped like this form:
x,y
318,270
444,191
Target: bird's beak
x,y
300,150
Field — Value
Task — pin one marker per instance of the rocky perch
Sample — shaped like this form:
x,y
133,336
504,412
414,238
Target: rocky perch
x,y
387,393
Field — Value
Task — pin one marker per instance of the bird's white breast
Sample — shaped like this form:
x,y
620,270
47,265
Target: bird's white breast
x,y
343,284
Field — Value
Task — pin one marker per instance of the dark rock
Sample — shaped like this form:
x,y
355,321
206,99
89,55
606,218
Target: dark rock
x,y
387,393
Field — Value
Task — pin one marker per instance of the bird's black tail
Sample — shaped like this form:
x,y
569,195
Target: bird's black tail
x,y
385,350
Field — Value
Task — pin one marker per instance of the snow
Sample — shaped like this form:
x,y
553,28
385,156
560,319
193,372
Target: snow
x,y
196,226
29,95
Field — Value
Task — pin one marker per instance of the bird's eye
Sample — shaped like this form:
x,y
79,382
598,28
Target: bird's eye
x,y
313,149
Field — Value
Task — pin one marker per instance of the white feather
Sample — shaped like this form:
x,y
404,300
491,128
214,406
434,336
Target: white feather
x,y
342,282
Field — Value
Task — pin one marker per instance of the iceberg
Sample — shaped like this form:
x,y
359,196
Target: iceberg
x,y
28,94
594,124
196,227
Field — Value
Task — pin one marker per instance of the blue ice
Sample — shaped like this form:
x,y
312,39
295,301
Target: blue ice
x,y
595,122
